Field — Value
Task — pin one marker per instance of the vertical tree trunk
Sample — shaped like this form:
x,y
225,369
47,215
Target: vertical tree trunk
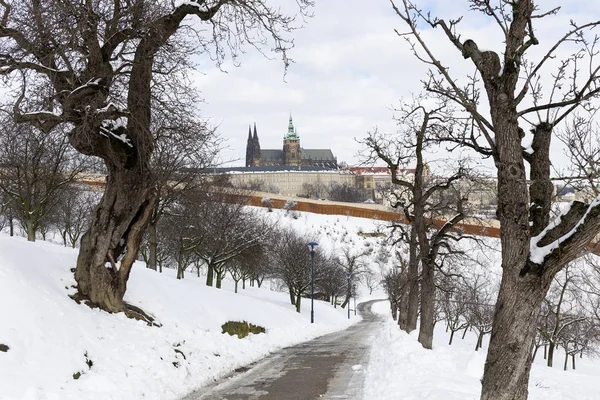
x,y
566,363
244,283
210,275
219,277
510,353
30,227
298,299
236,286
11,225
550,354
152,245
402,305
292,297
110,246
427,305
573,361
412,284
479,343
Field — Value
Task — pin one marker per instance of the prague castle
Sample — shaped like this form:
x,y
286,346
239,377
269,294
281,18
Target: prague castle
x,y
290,155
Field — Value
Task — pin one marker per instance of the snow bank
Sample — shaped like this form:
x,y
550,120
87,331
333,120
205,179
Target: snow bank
x,y
51,338
399,368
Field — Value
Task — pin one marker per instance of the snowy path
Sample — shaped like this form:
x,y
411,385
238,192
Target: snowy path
x,y
329,367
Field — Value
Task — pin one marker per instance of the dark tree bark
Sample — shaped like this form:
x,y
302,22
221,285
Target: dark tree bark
x,y
152,246
528,266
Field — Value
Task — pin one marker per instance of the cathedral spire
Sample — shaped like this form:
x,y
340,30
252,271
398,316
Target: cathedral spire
x,y
250,132
291,133
291,130
255,134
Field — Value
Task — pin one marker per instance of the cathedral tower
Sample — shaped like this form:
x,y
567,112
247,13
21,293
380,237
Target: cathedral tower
x,y
256,161
252,148
249,148
292,155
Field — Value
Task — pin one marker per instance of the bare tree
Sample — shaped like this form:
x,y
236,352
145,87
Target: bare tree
x,y
185,146
74,212
534,248
228,230
480,308
292,264
418,126
97,71
247,264
353,265
35,167
346,192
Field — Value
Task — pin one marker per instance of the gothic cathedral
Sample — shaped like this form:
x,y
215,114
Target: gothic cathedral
x,y
291,155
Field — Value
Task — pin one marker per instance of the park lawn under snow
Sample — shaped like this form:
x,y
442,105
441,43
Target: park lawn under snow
x,y
50,337
399,368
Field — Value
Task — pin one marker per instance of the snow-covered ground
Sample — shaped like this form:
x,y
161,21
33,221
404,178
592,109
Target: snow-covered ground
x,y
399,368
51,338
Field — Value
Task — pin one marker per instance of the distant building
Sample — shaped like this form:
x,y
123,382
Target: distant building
x,y
292,154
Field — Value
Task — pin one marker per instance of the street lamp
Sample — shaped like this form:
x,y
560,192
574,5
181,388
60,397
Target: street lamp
x,y
311,247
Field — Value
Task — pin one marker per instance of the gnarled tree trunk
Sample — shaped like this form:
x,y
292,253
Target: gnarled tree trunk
x,y
109,248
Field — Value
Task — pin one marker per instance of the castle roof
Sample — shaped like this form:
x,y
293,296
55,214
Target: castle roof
x,y
317,154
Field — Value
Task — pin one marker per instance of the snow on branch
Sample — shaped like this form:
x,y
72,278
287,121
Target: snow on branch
x,y
570,224
116,129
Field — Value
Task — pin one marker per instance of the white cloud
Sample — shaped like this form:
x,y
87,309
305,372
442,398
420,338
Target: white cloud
x,y
350,69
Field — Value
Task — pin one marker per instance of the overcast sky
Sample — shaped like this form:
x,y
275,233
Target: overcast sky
x,y
350,69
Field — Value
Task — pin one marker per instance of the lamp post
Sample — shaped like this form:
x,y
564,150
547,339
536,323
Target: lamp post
x,y
311,247
348,276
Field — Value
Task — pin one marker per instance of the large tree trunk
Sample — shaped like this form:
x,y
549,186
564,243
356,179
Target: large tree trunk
x,y
412,283
210,275
110,247
152,245
550,354
427,306
510,352
30,227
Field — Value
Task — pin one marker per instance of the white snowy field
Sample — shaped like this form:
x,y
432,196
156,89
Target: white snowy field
x,y
50,337
399,368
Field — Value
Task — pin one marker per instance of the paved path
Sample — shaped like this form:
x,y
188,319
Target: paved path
x,y
327,368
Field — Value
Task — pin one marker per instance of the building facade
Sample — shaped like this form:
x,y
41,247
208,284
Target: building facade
x,y
291,154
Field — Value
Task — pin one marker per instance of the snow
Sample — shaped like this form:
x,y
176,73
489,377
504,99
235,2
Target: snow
x,y
399,368
50,337
538,254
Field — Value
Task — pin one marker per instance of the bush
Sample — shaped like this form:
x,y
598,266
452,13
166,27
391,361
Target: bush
x,y
241,329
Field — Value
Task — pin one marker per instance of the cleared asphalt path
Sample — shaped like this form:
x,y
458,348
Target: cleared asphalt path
x,y
329,367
